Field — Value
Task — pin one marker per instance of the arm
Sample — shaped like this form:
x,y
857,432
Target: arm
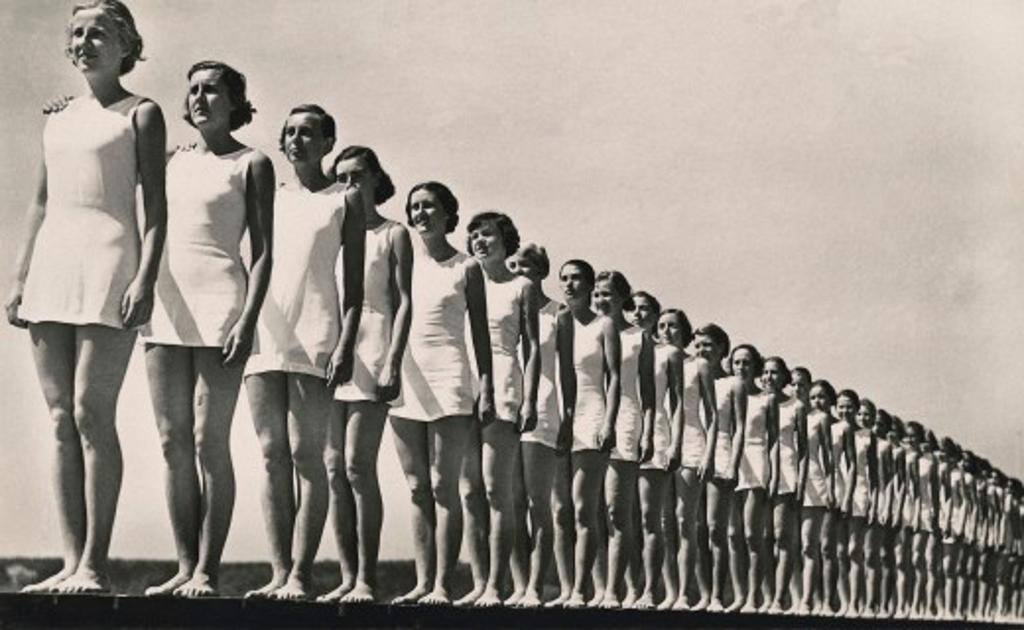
x,y
150,148
612,364
531,350
773,449
259,216
709,399
400,262
566,378
476,301
676,366
647,389
738,401
353,259
34,220
803,452
850,448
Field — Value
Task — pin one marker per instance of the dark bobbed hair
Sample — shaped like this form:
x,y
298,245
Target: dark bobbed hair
x,y
948,446
931,440
241,110
684,322
506,228
717,335
538,257
830,392
867,402
787,376
849,393
914,430
801,370
644,295
122,18
619,285
754,353
883,421
445,198
385,187
328,129
585,268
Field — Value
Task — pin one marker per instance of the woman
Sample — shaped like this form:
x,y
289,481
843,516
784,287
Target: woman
x,y
544,472
758,430
84,282
355,429
865,489
306,346
204,319
711,343
925,559
788,457
512,321
818,496
877,545
835,570
590,344
434,421
951,521
968,562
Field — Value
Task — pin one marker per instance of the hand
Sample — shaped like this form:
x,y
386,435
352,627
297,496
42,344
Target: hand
x,y
605,438
706,470
238,345
11,306
563,443
485,406
339,368
773,488
675,460
389,383
57,104
527,417
646,448
136,304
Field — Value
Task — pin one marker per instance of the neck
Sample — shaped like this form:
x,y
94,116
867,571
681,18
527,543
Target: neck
x,y
437,246
311,176
218,141
373,218
580,309
620,320
106,89
496,269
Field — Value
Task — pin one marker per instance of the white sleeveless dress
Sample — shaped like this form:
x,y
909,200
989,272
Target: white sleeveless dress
x,y
588,362
505,310
755,469
629,423
862,487
695,430
661,429
87,248
200,289
789,457
300,320
883,457
726,426
436,378
549,417
838,474
373,339
816,486
925,466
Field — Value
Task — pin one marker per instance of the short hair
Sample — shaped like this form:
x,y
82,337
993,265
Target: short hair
x,y
949,447
755,355
780,363
506,229
585,268
242,110
385,187
122,18
915,430
825,386
538,257
328,129
849,393
883,421
646,296
619,285
445,198
801,370
929,437
717,335
896,428
684,322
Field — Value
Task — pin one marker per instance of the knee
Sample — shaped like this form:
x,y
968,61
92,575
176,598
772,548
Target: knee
x,y
335,465
177,445
308,461
736,536
446,492
361,474
563,515
214,453
64,424
718,533
753,541
499,497
92,421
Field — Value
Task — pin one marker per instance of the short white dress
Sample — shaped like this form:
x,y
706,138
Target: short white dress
x,y
629,423
839,475
200,289
925,466
695,428
661,429
911,494
816,485
549,418
505,312
87,249
726,427
862,487
883,456
437,381
790,411
373,339
588,363
755,466
300,319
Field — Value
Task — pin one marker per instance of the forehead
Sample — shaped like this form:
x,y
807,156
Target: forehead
x,y
352,164
304,119
421,195
485,225
742,353
642,301
570,270
95,17
206,76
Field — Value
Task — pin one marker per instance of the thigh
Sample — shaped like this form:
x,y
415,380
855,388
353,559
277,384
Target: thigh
x,y
561,486
268,401
363,430
447,439
620,484
102,355
310,405
412,449
53,349
539,464
719,503
588,471
651,490
216,394
499,451
810,525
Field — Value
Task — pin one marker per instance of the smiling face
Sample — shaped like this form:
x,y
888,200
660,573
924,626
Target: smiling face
x,y
606,301
866,416
819,399
743,364
303,139
707,349
94,43
773,378
209,104
846,408
574,284
486,243
644,314
426,215
670,329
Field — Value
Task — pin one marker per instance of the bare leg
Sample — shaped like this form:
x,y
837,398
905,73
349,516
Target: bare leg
x,y
588,469
411,444
921,570
855,552
216,394
670,536
753,527
539,464
102,359
829,535
842,528
565,527
784,523
872,558
719,498
652,492
524,536
810,532
620,493
950,565
477,516
310,405
362,445
268,400
690,559
342,510
932,553
53,348
500,451
599,573
737,553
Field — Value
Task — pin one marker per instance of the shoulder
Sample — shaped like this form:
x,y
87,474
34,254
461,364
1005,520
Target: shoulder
x,y
608,325
258,161
398,234
147,114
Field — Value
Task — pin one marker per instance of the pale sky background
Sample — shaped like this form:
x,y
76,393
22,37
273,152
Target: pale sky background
x,y
838,183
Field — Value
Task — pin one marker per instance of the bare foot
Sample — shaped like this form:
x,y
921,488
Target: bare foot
x,y
630,599
515,598
575,601
294,590
595,601
680,603
530,599
469,599
803,609
645,602
199,585
490,599
701,605
609,602
776,608
362,594
437,597
411,597
735,606
167,588
716,606
749,608
265,591
50,584
84,581
559,601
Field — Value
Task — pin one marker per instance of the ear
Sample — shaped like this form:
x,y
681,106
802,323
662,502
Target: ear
x,y
329,145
